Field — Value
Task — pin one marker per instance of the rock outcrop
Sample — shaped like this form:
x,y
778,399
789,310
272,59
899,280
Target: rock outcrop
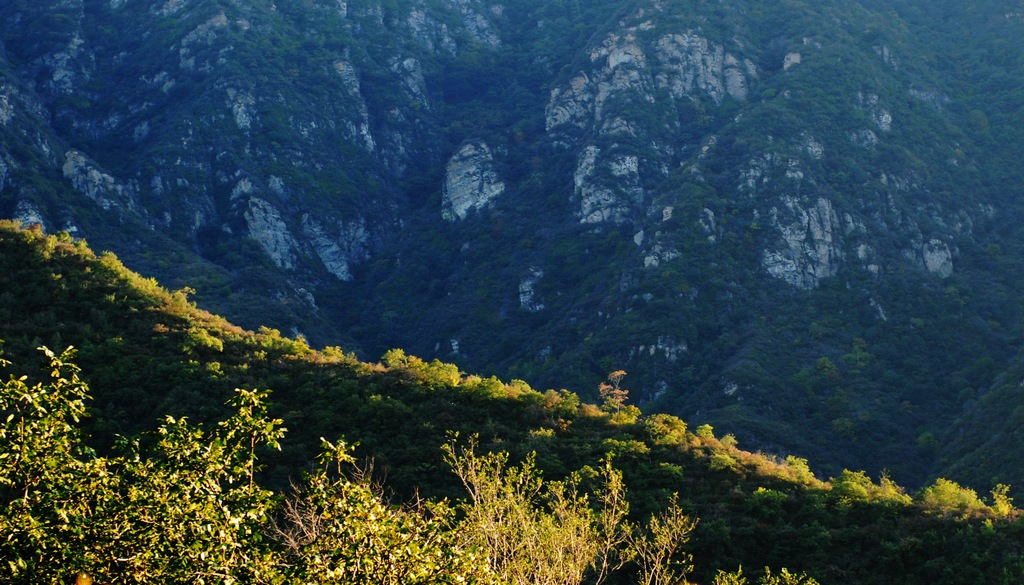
x,y
630,71
88,179
357,129
470,181
6,106
810,249
607,189
267,227
686,64
666,346
528,299
938,259
340,245
690,63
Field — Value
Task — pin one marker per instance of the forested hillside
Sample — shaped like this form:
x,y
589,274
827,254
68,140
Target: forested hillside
x,y
196,497
796,221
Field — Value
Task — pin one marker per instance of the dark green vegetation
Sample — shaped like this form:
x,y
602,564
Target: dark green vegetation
x,y
146,353
257,152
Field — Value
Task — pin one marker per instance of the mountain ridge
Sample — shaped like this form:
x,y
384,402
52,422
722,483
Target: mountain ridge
x,y
145,351
795,221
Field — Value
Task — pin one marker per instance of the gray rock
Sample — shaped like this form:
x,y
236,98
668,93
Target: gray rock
x,y
28,214
268,229
6,107
99,186
360,128
810,249
470,181
339,247
937,258
527,294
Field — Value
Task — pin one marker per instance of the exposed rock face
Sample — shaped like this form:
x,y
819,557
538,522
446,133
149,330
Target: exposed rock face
x,y
194,45
627,75
937,258
865,138
432,34
666,346
470,181
69,66
361,129
96,184
811,248
6,107
172,6
688,65
437,36
28,214
476,24
691,63
813,147
879,115
527,295
413,82
601,200
339,247
658,254
242,105
268,228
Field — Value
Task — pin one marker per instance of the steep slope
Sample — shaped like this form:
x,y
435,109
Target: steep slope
x,y
145,352
794,220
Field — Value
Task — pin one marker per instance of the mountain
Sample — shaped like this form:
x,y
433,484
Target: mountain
x,y
795,221
74,499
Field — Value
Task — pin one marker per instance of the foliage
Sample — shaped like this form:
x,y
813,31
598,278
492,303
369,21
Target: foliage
x,y
950,498
190,510
784,577
146,94
339,530
755,509
659,552
539,532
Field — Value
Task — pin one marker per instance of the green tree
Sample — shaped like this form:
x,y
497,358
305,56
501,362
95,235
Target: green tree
x,y
949,498
783,578
48,482
1002,503
537,532
189,510
338,530
665,429
658,552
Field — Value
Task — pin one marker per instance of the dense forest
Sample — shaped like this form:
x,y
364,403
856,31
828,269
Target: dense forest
x,y
134,458
797,221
